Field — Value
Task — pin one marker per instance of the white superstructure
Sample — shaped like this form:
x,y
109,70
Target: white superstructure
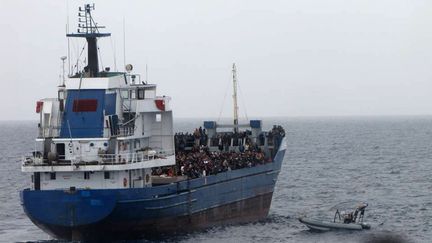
x,y
123,155
104,129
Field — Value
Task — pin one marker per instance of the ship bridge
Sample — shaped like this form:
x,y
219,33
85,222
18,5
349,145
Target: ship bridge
x,y
101,121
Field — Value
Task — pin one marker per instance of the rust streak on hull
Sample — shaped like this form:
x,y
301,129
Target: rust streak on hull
x,y
244,211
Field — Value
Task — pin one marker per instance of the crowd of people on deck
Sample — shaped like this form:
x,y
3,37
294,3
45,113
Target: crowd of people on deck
x,y
235,151
184,140
275,136
200,162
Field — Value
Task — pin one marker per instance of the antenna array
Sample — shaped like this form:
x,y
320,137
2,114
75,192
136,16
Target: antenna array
x,y
86,24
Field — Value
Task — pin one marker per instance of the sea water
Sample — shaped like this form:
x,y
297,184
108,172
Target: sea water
x,y
385,161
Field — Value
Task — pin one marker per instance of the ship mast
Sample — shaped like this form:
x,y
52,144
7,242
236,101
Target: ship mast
x,y
88,28
234,72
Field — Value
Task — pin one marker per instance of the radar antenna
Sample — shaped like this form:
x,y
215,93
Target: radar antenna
x,y
88,28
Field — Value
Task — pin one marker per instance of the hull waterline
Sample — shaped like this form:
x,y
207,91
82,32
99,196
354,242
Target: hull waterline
x,y
232,197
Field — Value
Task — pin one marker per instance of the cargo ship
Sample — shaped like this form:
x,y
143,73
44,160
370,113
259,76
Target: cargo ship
x,y
108,164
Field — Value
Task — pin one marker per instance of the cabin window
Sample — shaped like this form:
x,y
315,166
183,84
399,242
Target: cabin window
x,y
140,94
86,175
132,94
85,105
52,175
107,175
158,117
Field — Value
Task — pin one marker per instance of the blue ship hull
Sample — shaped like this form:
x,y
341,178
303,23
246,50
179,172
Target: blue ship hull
x,y
236,196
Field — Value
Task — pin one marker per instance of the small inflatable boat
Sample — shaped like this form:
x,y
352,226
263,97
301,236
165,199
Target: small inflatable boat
x,y
319,225
343,219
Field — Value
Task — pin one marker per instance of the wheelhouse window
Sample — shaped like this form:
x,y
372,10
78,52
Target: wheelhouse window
x,y
140,94
132,94
85,105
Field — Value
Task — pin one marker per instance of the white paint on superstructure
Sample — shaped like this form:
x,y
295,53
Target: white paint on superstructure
x,y
96,83
143,139
166,161
148,105
137,178
49,118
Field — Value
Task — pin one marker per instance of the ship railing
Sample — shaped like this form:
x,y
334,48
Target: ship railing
x,y
125,131
100,159
130,158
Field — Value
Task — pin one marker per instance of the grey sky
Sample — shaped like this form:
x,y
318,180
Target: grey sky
x,y
294,58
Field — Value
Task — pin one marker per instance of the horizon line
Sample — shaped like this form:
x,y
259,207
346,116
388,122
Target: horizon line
x,y
267,117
